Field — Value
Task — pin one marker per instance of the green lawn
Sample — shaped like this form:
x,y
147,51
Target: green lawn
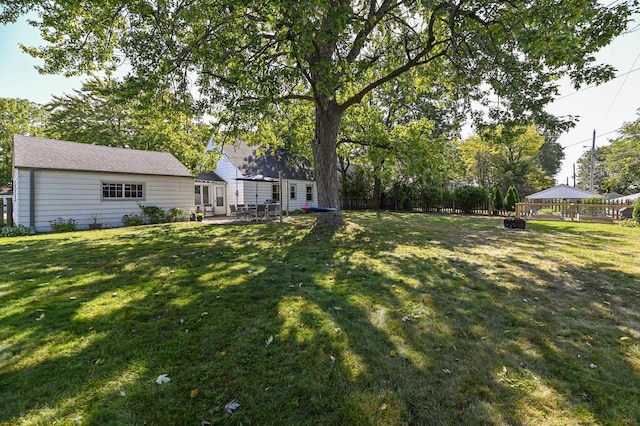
x,y
397,319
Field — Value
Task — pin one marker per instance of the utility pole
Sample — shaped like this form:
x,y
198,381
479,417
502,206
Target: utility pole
x,y
593,160
574,175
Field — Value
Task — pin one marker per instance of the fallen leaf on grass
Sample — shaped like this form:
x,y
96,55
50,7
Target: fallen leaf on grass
x,y
194,393
231,407
163,378
269,340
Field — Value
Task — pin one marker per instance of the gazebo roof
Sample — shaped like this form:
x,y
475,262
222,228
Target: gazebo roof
x,y
561,192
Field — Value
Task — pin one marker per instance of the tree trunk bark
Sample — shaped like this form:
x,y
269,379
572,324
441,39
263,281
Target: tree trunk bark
x,y
326,162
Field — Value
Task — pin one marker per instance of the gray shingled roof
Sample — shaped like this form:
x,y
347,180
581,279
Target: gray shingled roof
x,y
209,177
247,159
41,153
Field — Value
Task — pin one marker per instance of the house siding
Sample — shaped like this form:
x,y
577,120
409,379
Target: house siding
x,y
77,195
301,194
229,172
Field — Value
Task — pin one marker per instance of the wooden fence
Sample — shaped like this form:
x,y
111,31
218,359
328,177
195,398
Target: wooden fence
x,y
581,212
424,206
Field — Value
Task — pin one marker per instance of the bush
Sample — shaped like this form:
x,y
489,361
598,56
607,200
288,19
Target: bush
x,y
636,212
628,223
15,231
435,198
63,225
469,198
498,200
548,210
132,220
154,214
176,215
512,199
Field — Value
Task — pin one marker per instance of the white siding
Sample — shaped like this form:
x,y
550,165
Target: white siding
x,y
77,195
229,172
301,194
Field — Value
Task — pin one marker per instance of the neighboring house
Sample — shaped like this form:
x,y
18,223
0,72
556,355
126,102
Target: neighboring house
x,y
633,198
53,178
239,162
560,193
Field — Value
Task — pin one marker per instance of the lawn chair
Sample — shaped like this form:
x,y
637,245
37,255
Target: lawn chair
x,y
272,211
261,211
234,211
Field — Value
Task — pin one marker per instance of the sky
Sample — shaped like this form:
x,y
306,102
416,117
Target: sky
x,y
604,108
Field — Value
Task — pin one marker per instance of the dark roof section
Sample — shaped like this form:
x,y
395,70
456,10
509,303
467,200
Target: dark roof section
x,y
209,177
41,153
270,163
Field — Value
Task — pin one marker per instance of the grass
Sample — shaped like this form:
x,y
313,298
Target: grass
x,y
395,319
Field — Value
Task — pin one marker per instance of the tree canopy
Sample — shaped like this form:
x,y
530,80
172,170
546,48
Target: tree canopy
x,y
244,58
504,157
17,116
105,112
617,165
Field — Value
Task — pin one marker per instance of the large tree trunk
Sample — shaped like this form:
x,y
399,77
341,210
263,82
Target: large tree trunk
x,y
326,162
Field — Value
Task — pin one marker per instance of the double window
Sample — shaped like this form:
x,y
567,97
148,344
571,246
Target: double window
x,y
202,195
122,191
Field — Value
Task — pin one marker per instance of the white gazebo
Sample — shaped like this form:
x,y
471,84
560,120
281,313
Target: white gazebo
x,y
562,192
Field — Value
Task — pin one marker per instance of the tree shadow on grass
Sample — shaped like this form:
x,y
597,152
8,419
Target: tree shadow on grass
x,y
358,326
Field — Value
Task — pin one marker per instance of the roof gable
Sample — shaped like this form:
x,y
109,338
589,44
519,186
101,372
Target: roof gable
x,y
248,160
42,153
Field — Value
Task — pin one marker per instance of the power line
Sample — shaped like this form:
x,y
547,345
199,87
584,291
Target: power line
x,y
590,139
620,89
595,85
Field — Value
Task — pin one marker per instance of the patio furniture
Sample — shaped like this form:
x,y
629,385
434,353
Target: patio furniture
x,y
272,211
261,211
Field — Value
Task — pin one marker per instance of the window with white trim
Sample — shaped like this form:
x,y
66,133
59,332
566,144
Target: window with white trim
x,y
122,191
275,192
309,192
292,191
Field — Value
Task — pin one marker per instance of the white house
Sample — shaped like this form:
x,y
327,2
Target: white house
x,y
53,178
239,162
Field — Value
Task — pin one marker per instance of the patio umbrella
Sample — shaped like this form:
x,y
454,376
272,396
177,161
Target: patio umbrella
x,y
256,179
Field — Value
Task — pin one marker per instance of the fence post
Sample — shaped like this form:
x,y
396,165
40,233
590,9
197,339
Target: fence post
x,y
572,209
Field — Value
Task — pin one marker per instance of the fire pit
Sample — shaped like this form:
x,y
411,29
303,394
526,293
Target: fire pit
x,y
515,223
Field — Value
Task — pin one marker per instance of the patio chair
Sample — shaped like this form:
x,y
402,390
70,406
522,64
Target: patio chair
x,y
272,211
234,210
261,212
